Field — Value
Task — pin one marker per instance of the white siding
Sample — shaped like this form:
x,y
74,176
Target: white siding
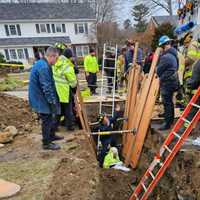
x,y
29,30
25,61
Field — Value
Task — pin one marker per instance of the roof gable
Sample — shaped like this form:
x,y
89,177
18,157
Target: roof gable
x,y
44,11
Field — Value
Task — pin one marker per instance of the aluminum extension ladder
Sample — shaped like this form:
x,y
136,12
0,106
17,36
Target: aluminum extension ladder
x,y
104,77
169,149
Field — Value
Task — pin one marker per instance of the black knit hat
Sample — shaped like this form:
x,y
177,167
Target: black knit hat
x,y
68,53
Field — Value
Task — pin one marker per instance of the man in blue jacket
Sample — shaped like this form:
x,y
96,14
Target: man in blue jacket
x,y
169,83
43,97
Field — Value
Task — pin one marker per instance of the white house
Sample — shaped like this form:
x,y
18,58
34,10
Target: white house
x,y
28,28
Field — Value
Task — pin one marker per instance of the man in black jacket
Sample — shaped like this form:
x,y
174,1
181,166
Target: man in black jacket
x,y
167,72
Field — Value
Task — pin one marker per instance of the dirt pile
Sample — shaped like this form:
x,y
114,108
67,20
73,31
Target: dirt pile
x,y
16,112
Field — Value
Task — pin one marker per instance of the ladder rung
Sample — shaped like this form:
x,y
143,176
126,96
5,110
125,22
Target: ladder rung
x,y
109,68
106,105
168,149
109,51
109,58
177,135
106,86
144,187
195,105
185,120
153,177
136,196
109,77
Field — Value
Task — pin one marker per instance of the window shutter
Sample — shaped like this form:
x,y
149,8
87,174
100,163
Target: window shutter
x,y
76,28
7,54
26,53
86,28
37,28
48,28
6,29
18,29
63,28
53,28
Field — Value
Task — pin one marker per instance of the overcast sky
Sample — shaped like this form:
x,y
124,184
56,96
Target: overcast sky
x,y
124,11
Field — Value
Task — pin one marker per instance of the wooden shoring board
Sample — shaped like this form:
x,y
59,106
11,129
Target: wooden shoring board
x,y
132,107
140,107
128,100
84,118
144,124
131,125
130,88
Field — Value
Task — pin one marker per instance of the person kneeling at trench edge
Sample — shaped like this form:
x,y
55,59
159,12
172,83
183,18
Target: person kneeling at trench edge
x,y
43,97
106,124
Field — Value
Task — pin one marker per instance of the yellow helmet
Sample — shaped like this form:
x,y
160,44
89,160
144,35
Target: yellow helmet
x,y
59,45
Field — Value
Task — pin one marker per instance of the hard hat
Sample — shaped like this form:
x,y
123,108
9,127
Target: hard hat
x,y
114,150
101,117
59,45
164,39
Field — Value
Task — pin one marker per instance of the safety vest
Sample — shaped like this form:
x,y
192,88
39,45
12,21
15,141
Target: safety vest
x,y
64,77
120,65
109,160
90,64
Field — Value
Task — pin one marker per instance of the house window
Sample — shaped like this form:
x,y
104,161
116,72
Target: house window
x,y
16,54
13,54
58,28
82,51
13,30
20,53
81,28
43,28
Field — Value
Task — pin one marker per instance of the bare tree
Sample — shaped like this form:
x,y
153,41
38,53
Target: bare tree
x,y
156,5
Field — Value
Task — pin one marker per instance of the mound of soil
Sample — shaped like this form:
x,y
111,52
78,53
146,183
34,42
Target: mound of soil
x,y
16,112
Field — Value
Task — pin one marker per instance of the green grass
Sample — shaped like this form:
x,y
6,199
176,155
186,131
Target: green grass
x,y
9,84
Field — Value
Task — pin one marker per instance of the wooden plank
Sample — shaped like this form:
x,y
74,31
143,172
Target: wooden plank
x,y
84,117
140,107
131,137
129,97
144,124
132,107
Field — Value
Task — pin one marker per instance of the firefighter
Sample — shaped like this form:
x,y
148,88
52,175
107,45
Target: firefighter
x,y
91,69
65,79
169,83
192,55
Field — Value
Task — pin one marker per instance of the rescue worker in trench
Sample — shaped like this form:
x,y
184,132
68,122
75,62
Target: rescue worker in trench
x,y
192,55
65,79
169,83
91,69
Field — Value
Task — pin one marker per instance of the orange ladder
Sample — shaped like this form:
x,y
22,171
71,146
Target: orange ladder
x,y
169,149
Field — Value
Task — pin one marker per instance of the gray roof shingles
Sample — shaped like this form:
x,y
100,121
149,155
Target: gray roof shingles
x,y
166,19
34,41
42,11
